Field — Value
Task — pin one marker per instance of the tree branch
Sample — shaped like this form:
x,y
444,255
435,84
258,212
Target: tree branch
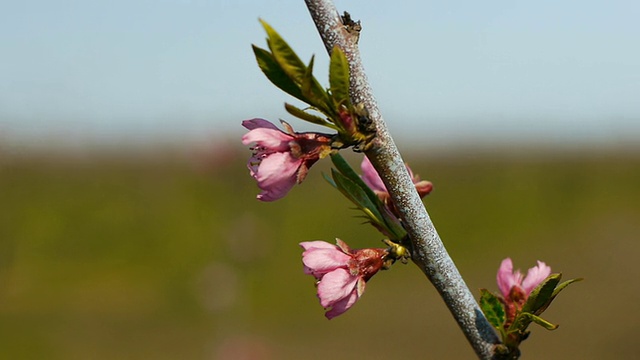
x,y
427,250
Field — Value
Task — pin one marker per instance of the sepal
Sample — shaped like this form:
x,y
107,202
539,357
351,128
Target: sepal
x,y
524,319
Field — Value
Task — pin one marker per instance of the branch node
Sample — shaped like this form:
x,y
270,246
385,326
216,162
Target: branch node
x,y
352,27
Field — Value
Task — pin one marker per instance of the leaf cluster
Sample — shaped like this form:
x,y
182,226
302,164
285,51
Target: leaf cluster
x,y
284,69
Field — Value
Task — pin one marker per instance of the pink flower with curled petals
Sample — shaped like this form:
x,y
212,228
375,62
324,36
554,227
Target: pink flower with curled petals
x,y
371,177
281,159
341,273
508,279
515,288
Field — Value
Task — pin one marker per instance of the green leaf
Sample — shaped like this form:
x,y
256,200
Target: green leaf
x,y
390,222
556,291
315,96
492,309
542,294
339,76
297,112
275,74
343,166
358,196
284,54
307,81
313,93
329,180
538,320
563,286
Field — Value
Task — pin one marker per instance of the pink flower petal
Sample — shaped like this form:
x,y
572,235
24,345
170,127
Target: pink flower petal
x,y
270,139
335,286
258,123
276,175
318,244
343,305
370,176
311,247
507,278
325,260
275,167
535,276
266,135
274,194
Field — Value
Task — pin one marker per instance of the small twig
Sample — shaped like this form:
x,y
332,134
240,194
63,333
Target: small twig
x,y
427,251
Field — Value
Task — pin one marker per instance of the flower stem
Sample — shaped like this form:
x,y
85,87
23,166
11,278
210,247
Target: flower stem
x,y
427,250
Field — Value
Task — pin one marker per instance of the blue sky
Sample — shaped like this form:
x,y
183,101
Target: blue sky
x,y
443,72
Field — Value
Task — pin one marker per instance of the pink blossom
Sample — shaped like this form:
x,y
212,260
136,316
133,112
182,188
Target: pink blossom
x,y
341,272
280,160
508,279
516,289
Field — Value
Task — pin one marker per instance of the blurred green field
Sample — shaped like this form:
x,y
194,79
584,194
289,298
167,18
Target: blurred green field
x,y
171,257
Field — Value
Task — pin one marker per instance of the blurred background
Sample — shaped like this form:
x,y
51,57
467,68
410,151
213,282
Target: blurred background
x,y
129,226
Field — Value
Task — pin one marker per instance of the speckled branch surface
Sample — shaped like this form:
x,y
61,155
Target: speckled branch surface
x,y
428,252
